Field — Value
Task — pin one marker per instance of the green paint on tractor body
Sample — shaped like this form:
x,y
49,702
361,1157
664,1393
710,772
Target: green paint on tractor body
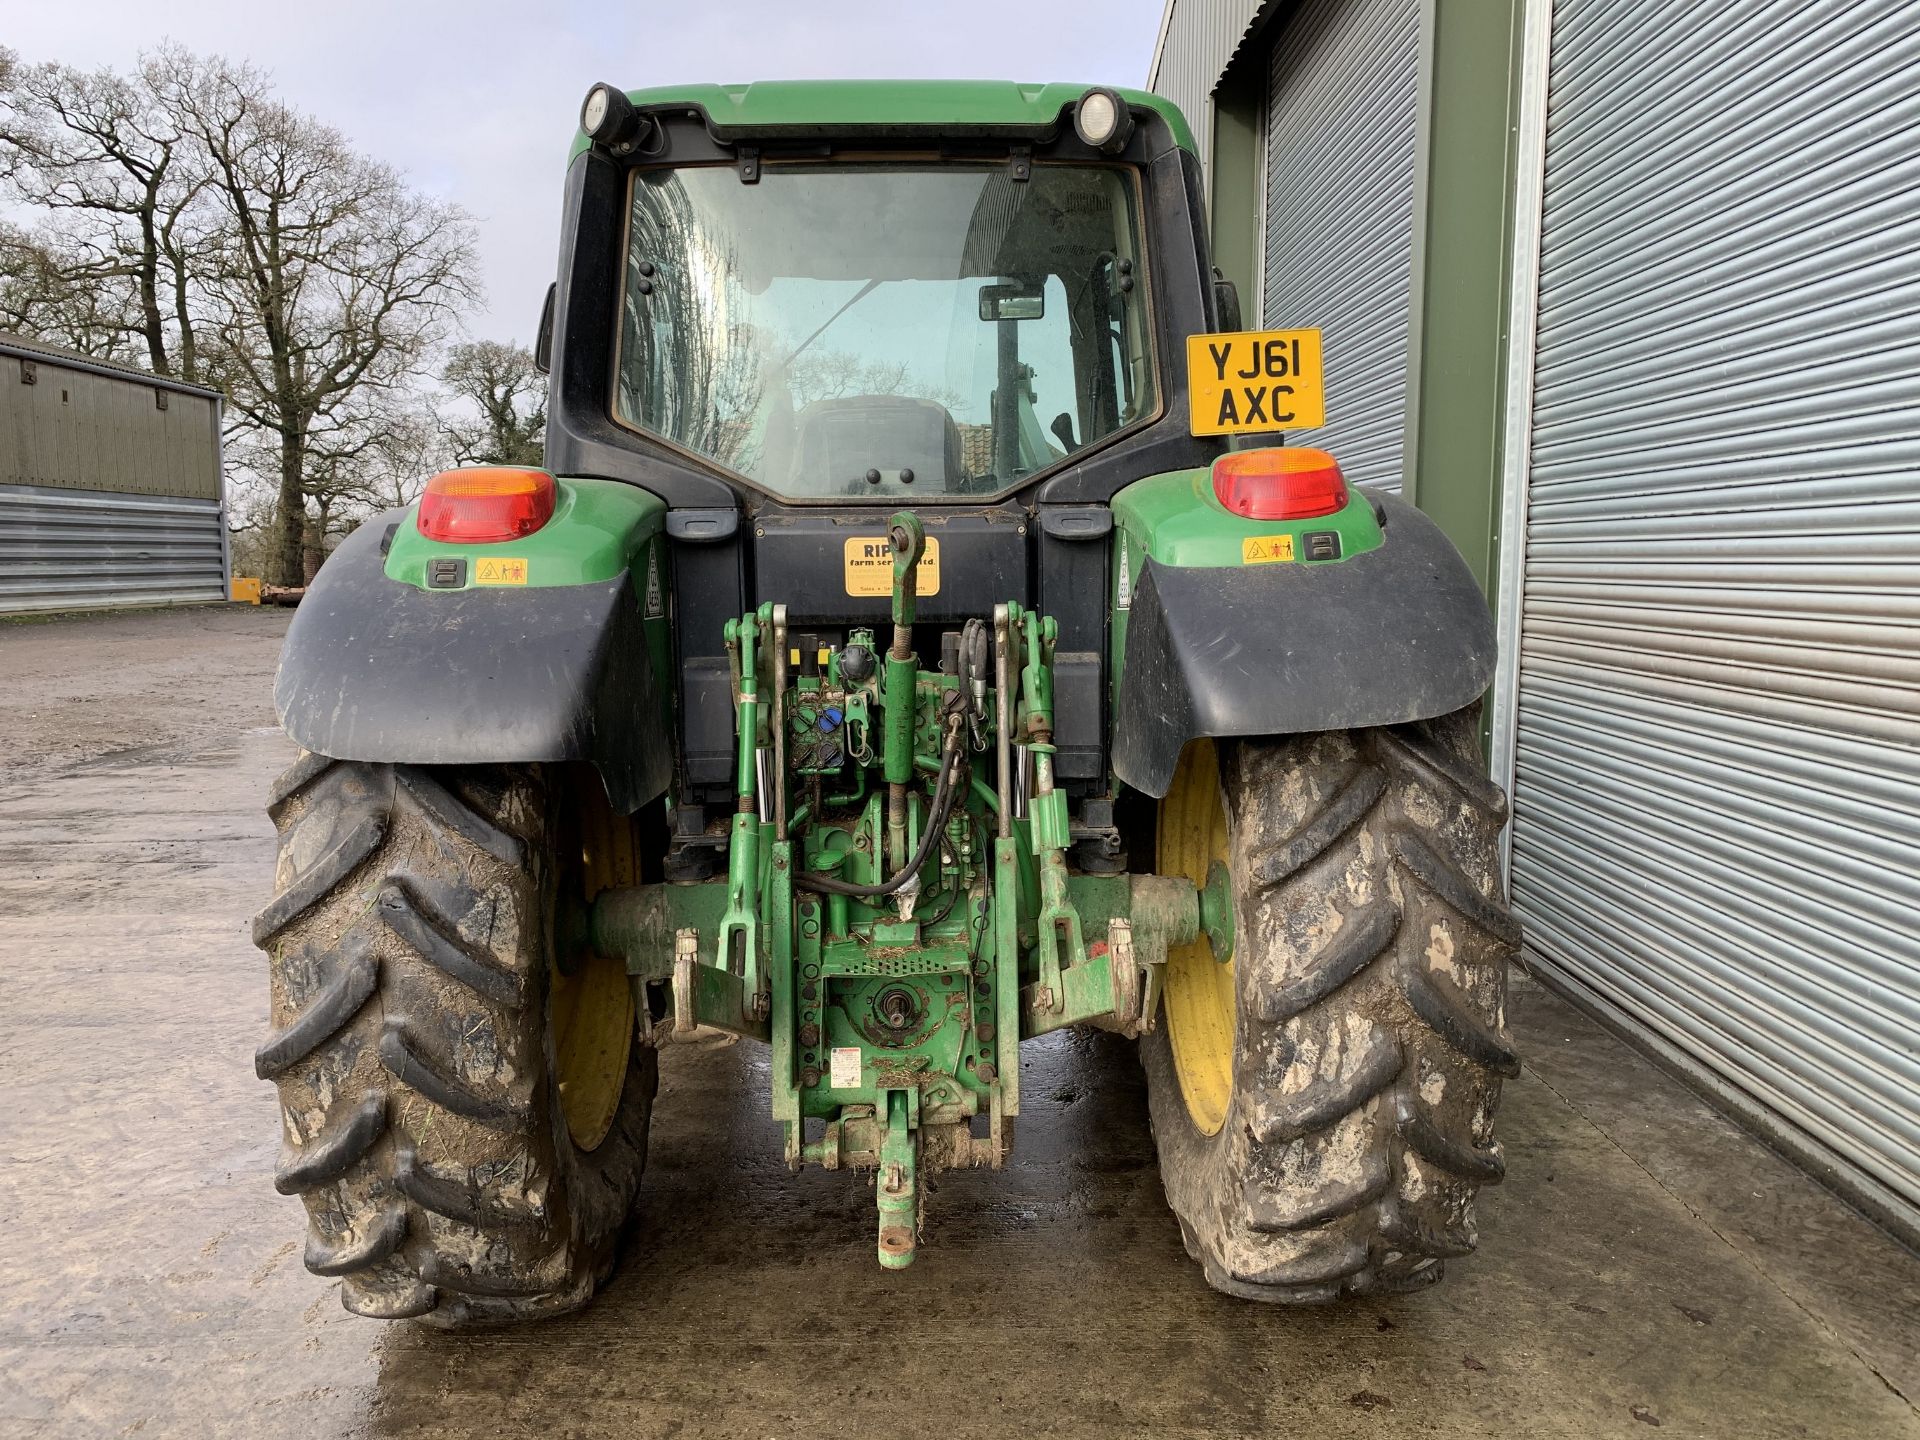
x,y
599,528
1176,519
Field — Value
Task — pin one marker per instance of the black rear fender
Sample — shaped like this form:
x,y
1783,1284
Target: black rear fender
x,y
1395,634
377,670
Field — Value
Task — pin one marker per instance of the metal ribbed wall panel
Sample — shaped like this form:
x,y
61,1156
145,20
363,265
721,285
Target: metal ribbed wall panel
x,y
1339,214
81,550
1197,39
1716,834
68,422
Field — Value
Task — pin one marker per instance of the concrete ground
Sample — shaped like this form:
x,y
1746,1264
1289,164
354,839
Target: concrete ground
x,y
1645,1267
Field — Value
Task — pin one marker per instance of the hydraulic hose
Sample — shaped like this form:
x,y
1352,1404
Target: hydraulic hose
x,y
943,792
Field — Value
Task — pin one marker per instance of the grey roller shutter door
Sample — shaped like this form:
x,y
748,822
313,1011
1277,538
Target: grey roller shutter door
x,y
87,549
1339,214
1717,785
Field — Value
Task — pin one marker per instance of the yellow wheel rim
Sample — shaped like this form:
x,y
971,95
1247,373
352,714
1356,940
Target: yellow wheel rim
x,y
592,998
1199,989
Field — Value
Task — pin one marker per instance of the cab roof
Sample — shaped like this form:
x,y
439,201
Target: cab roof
x,y
811,107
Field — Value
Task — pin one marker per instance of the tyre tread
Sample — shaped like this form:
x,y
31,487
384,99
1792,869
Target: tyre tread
x,y
428,935
1446,882
317,883
1279,1118
463,819
434,1191
1349,1158
413,1064
336,1149
381,1240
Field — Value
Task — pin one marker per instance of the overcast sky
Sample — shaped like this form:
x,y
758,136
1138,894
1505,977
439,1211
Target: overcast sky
x,y
477,101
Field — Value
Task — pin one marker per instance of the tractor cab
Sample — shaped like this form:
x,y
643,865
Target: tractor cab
x,y
830,301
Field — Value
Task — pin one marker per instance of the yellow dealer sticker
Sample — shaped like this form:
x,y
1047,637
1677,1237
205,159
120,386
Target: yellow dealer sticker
x,y
499,570
1265,549
869,566
1255,380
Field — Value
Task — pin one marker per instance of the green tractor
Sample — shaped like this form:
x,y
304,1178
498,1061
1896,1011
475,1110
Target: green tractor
x,y
908,650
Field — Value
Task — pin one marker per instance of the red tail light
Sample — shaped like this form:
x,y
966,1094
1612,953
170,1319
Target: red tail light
x,y
1279,483
486,503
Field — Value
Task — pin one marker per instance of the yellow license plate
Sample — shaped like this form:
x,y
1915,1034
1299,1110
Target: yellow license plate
x,y
1254,380
869,566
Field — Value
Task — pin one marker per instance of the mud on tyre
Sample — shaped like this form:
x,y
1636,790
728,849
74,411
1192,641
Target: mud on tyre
x,y
1323,1105
464,1105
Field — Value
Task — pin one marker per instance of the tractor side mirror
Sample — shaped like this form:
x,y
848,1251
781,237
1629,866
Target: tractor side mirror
x,y
543,337
1226,301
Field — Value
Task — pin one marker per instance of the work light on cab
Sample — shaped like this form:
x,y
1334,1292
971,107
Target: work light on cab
x,y
1102,120
1279,483
485,504
608,118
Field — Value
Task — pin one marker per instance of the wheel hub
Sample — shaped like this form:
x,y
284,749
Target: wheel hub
x,y
590,1003
1193,843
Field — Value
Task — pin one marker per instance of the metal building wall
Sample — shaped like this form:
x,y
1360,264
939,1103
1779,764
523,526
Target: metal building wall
x,y
1716,837
1339,214
110,486
1197,40
89,549
83,426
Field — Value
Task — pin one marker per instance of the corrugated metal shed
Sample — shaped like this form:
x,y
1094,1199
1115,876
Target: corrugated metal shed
x,y
110,485
1717,783
1198,39
1343,94
1340,81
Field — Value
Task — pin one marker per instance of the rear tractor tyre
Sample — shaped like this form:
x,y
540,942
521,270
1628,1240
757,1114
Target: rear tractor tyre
x,y
1323,1104
464,1098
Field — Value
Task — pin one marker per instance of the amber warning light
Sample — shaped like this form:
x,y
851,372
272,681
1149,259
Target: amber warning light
x,y
485,504
1279,484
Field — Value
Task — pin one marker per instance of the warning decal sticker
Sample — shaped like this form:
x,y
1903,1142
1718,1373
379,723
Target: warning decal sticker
x,y
845,1067
1265,549
499,570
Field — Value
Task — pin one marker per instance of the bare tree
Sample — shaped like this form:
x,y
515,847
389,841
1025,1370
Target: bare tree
x,y
411,449
508,397
103,156
330,283
191,220
380,465
829,374
41,297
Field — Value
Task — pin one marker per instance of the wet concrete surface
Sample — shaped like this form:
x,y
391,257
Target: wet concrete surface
x,y
1645,1267
75,687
